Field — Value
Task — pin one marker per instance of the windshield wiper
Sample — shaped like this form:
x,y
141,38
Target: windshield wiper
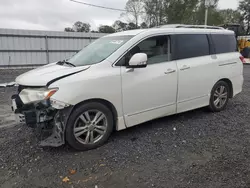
x,y
68,63
65,62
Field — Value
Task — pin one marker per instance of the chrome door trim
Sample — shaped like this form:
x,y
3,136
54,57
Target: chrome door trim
x,y
227,64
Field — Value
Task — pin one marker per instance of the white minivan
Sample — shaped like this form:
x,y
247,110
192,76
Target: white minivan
x,y
127,78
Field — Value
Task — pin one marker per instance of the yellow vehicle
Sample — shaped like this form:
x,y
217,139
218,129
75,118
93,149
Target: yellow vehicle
x,y
243,42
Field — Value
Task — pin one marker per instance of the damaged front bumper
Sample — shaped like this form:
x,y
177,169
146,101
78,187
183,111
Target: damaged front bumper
x,y
43,117
49,122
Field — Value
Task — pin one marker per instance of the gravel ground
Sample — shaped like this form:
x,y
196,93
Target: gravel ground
x,y
193,149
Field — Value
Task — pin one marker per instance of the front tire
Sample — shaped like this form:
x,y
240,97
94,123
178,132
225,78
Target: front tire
x,y
89,126
219,96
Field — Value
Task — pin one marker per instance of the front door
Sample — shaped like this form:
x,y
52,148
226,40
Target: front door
x,y
150,92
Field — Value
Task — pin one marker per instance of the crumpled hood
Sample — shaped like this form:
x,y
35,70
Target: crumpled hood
x,y
45,74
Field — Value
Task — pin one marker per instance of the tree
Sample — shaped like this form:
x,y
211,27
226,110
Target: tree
x,y
69,29
120,26
134,11
230,16
244,8
214,17
81,27
159,12
143,25
155,12
179,11
106,29
131,26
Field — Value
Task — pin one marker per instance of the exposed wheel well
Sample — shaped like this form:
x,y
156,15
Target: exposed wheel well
x,y
230,86
104,102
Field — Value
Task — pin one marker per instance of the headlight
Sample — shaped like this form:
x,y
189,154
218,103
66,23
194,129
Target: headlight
x,y
58,104
32,95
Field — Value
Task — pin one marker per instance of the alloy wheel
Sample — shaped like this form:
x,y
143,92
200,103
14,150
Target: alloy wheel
x,y
90,127
220,96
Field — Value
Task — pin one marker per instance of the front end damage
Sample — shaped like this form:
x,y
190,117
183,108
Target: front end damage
x,y
48,121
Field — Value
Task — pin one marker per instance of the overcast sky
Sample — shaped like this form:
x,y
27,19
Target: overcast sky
x,y
58,14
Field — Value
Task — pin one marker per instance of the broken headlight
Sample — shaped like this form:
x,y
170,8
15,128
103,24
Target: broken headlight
x,y
58,104
32,95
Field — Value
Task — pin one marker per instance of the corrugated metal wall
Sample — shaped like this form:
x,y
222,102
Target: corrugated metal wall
x,y
31,48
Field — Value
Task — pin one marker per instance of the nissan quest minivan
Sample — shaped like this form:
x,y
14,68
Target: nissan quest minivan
x,y
127,78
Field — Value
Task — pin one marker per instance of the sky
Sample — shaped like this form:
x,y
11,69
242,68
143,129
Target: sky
x,y
58,14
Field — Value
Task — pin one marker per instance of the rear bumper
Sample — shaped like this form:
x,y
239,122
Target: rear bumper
x,y
247,61
237,83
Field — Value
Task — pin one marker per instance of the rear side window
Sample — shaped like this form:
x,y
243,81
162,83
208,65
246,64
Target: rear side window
x,y
224,43
191,45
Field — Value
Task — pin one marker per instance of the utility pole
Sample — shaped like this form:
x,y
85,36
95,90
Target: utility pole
x,y
206,10
208,3
206,14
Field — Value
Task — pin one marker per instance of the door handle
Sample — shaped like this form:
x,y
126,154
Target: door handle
x,y
185,67
169,71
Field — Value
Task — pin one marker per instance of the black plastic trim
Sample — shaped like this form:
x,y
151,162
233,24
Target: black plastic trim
x,y
136,66
211,45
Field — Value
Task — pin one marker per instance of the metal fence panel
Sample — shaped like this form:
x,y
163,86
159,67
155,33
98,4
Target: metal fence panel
x,y
28,47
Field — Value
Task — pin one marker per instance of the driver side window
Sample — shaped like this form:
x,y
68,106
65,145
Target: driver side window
x,y
157,49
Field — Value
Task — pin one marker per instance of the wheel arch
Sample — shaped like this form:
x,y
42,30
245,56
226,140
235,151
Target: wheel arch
x,y
107,103
229,82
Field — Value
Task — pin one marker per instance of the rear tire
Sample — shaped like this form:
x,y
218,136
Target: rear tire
x,y
219,96
89,126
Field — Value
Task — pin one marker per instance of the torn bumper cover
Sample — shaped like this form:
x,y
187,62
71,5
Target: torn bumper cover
x,y
42,116
6,85
49,122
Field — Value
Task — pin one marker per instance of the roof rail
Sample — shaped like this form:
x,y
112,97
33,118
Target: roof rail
x,y
190,26
169,26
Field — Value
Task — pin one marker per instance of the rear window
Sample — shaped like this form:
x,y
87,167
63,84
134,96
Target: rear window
x,y
191,45
224,43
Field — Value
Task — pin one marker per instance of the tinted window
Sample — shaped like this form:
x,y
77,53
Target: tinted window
x,y
191,45
224,43
157,49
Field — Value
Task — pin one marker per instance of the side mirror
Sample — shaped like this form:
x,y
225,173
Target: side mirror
x,y
138,60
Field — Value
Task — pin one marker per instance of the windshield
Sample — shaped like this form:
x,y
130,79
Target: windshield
x,y
98,50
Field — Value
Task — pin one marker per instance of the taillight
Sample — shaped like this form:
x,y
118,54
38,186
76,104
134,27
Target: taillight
x,y
242,59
